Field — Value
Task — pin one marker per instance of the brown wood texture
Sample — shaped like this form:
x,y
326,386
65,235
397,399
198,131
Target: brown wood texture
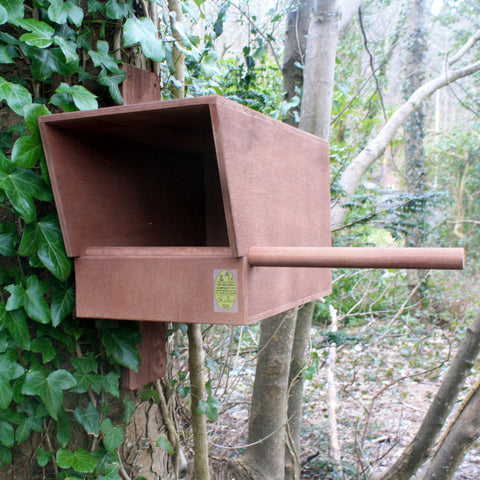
x,y
140,86
167,285
345,257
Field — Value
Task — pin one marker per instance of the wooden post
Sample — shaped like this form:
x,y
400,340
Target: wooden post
x,y
141,86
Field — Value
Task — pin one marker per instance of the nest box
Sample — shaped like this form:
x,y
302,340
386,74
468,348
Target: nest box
x,y
176,211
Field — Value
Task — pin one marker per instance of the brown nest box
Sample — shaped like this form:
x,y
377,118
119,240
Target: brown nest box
x,y
176,211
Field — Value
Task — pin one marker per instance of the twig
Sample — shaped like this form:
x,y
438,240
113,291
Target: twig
x,y
332,391
121,469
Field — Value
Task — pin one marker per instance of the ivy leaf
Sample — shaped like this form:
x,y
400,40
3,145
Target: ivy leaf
x,y
116,10
7,52
63,428
81,460
111,384
32,112
35,303
88,419
9,370
85,373
83,99
63,302
209,407
51,249
143,31
16,324
120,346
113,437
45,62
7,244
41,34
16,96
16,298
3,15
27,151
209,65
112,81
31,422
164,443
14,9
59,11
49,388
63,101
101,58
7,434
43,457
69,49
21,186
44,346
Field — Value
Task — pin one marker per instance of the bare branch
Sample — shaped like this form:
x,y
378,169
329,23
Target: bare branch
x,y
470,43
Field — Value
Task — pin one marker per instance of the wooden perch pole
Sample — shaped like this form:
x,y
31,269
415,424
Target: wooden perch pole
x,y
346,257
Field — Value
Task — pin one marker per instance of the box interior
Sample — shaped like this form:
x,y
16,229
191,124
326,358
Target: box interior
x,y
139,179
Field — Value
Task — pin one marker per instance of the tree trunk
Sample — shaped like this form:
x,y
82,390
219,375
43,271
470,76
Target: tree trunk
x,y
264,459
296,382
414,133
418,450
294,54
458,440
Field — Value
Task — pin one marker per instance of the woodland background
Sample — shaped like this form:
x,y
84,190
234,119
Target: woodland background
x,y
393,85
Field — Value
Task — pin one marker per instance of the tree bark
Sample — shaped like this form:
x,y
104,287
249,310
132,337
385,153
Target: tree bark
x,y
196,366
294,53
175,6
268,416
419,449
460,437
414,134
296,383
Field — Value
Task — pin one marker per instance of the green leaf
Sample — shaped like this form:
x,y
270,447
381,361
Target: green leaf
x,y
113,436
31,422
43,457
51,249
112,81
9,370
69,49
7,244
111,384
5,455
49,388
16,96
83,99
3,16
209,65
60,11
35,303
143,31
45,62
209,407
88,419
20,187
164,443
63,101
41,34
16,298
27,151
14,8
81,460
116,10
63,302
7,434
63,428
32,112
16,324
119,345
44,346
101,58
7,53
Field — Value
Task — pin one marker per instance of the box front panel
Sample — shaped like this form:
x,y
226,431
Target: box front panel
x,y
208,290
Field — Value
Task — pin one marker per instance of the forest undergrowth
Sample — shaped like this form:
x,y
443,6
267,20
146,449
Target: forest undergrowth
x,y
389,366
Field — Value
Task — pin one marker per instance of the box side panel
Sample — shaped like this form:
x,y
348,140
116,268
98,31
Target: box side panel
x,y
275,180
273,290
166,289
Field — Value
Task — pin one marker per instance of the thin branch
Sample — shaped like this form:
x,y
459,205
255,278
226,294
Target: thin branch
x,y
468,45
372,60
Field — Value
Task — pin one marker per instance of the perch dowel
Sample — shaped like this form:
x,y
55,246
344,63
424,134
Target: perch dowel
x,y
345,257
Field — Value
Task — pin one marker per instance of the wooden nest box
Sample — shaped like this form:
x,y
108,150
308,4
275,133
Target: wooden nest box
x,y
177,211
